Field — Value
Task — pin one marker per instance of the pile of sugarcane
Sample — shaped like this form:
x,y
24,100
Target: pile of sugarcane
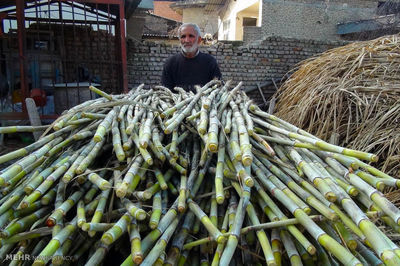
x,y
351,93
153,177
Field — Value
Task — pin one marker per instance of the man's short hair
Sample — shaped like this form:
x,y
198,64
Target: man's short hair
x,y
193,25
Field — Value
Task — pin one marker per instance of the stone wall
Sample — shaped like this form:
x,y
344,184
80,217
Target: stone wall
x,y
312,19
253,64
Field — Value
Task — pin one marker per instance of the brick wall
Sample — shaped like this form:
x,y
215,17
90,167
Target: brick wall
x,y
253,64
251,33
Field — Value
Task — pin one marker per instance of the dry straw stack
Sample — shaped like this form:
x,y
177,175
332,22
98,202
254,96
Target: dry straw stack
x,y
352,91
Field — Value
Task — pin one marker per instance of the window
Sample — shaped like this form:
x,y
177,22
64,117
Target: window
x,y
249,22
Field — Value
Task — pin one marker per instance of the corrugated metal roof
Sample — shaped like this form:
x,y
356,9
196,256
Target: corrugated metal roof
x,y
130,5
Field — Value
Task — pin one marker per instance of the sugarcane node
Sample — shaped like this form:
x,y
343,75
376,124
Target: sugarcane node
x,y
137,259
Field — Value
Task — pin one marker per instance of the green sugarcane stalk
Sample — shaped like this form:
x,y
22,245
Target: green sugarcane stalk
x,y
319,143
14,180
60,255
233,144
55,243
235,232
135,239
325,240
149,240
99,255
27,160
161,244
86,162
101,93
179,240
290,248
212,144
15,129
156,211
134,210
175,108
214,232
219,172
93,115
105,125
310,199
182,194
267,175
245,146
116,141
149,192
100,208
48,182
276,246
80,213
26,211
145,136
292,229
96,227
62,210
43,142
228,123
42,174
97,180
129,178
47,198
23,223
178,118
83,154
173,148
117,230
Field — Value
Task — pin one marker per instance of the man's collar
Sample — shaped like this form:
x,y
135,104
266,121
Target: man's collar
x,y
183,53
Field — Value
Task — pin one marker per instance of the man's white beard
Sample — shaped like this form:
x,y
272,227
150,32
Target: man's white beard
x,y
190,49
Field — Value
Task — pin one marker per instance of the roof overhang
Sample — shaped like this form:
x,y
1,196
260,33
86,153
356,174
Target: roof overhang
x,y
378,23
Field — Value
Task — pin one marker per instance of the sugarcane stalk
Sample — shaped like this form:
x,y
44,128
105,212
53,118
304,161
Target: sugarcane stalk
x,y
161,244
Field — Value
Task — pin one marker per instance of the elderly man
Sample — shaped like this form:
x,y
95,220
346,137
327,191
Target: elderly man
x,y
189,67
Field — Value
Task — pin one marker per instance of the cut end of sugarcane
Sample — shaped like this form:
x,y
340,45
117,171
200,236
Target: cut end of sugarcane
x,y
311,250
249,182
181,209
389,257
220,199
141,215
307,210
121,157
50,222
38,262
352,245
330,196
247,160
107,238
353,192
97,138
380,186
85,227
147,195
271,263
153,225
137,259
212,147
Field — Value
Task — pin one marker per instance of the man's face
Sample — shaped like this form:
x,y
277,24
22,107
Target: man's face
x,y
189,40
